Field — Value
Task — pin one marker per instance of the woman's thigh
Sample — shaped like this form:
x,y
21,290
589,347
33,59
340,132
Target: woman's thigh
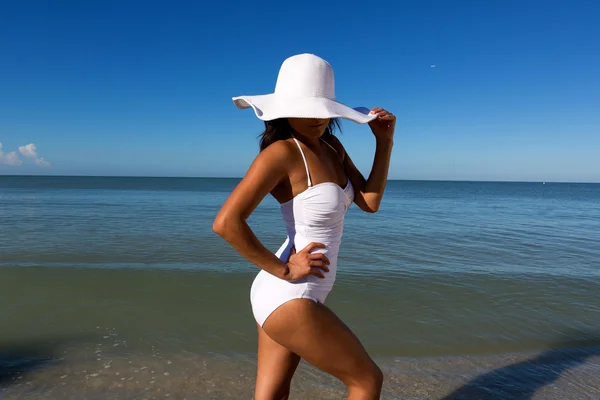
x,y
313,332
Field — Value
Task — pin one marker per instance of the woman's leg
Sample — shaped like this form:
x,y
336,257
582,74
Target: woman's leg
x,y
315,333
276,366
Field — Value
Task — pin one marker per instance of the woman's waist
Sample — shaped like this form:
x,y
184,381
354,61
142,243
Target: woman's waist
x,y
326,229
310,282
297,243
332,242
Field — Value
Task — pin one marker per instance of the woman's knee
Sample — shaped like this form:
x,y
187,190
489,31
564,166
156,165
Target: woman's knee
x,y
369,381
377,377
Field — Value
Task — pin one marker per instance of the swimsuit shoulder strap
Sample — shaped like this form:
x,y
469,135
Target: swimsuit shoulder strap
x,y
332,148
305,163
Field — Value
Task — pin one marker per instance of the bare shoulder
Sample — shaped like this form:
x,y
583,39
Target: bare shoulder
x,y
271,166
276,153
267,171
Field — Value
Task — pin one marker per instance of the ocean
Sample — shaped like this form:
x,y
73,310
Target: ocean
x,y
117,288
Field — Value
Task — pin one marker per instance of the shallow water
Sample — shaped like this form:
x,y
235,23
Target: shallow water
x,y
449,283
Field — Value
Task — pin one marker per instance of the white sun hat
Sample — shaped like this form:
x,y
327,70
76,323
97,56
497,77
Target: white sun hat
x,y
304,89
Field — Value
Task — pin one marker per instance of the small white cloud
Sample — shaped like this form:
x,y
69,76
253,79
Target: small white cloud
x,y
11,159
28,150
40,162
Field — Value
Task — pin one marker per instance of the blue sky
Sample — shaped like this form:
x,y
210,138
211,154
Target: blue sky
x,y
144,88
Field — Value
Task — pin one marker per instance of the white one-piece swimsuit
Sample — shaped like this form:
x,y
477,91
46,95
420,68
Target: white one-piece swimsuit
x,y
314,215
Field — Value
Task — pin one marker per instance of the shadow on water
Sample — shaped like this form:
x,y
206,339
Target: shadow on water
x,y
18,359
522,380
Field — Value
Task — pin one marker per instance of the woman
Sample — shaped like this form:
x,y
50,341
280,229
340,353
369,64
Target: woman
x,y
306,169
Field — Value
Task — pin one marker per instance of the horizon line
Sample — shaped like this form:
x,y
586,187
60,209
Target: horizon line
x,y
234,177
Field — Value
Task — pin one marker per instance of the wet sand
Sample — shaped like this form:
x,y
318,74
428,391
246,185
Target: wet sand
x,y
107,370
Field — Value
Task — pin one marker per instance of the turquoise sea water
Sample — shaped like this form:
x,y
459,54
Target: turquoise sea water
x,y
450,281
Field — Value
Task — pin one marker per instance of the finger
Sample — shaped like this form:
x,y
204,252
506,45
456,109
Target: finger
x,y
384,114
319,256
313,245
319,264
317,273
293,250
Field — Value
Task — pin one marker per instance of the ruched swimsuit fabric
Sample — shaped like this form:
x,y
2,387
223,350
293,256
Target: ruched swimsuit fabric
x,y
314,215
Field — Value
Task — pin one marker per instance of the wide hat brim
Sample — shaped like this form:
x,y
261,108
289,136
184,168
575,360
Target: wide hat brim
x,y
273,106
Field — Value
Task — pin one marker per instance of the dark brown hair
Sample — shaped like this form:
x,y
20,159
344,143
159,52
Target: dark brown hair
x,y
280,129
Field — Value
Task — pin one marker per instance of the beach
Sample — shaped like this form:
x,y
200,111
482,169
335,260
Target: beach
x,y
118,288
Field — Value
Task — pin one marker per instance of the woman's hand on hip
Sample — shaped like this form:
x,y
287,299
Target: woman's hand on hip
x,y
384,125
305,263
